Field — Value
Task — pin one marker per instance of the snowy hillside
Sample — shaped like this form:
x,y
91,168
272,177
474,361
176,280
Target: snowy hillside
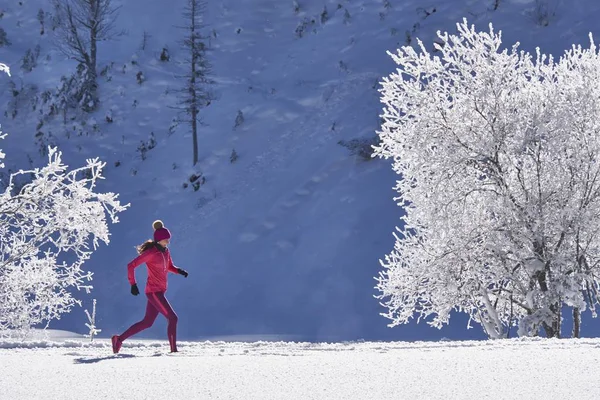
x,y
510,369
285,241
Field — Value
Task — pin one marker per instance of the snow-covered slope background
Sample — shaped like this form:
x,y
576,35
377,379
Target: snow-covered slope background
x,y
285,241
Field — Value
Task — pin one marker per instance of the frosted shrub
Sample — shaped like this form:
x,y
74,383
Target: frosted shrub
x,y
91,324
46,230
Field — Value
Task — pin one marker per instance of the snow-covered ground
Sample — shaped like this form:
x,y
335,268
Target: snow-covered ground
x,y
509,369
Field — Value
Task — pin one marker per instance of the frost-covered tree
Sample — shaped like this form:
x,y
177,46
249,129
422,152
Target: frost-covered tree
x,y
81,25
195,94
498,152
47,229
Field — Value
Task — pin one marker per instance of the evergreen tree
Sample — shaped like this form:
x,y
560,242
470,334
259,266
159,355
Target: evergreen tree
x,y
194,95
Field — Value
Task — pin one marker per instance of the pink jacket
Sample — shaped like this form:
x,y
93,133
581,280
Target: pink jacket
x,y
158,263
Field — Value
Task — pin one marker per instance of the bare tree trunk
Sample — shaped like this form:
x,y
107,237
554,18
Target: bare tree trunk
x,y
557,319
195,134
576,321
94,24
94,11
194,99
552,329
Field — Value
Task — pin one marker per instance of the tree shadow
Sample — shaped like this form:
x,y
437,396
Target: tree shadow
x,y
86,360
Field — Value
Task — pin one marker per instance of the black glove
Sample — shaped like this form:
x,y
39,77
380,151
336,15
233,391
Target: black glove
x,y
182,272
134,289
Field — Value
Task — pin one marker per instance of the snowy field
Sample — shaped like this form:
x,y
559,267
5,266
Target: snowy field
x,y
509,369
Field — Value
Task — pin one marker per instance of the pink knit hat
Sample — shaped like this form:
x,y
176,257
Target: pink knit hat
x,y
160,232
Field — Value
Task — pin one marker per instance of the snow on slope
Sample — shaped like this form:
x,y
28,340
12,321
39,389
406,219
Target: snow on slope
x,y
284,241
508,369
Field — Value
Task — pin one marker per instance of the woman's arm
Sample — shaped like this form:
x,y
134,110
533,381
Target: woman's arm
x,y
172,268
142,258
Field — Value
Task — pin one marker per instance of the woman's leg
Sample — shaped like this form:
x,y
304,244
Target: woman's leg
x,y
161,303
149,318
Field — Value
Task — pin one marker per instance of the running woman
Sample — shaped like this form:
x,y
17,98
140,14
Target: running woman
x,y
155,254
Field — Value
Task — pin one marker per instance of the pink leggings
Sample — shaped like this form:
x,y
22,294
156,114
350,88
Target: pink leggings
x,y
157,303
